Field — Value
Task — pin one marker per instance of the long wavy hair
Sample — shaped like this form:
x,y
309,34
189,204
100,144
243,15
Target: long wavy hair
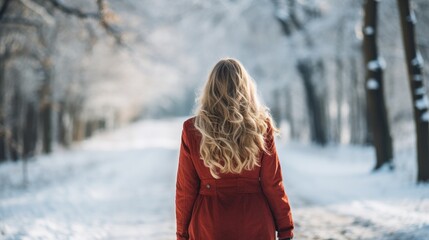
x,y
231,120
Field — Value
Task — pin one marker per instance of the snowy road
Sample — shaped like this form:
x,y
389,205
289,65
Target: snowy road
x,y
120,185
335,195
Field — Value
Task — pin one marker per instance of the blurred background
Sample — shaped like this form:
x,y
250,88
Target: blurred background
x,y
92,91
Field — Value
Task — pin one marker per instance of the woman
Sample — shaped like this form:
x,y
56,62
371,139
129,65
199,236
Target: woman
x,y
229,181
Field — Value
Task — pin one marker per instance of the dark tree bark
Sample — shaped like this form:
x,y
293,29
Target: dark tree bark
x,y
374,88
418,91
89,128
60,123
14,144
2,107
315,103
46,107
3,8
78,128
286,15
29,138
30,131
46,116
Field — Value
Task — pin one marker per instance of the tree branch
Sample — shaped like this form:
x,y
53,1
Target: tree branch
x,y
74,11
103,15
106,17
20,21
27,23
39,10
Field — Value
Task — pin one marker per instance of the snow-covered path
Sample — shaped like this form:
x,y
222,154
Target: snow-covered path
x,y
117,185
120,185
336,196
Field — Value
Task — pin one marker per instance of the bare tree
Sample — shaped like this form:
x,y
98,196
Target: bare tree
x,y
379,124
3,56
28,31
414,63
311,69
316,105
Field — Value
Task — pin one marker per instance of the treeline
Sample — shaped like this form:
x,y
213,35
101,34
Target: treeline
x,y
320,61
42,93
364,94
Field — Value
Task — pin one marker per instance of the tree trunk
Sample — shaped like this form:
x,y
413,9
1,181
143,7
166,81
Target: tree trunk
x,y
418,91
64,128
29,138
338,128
357,119
289,112
275,110
315,103
46,114
78,128
46,108
374,88
30,131
89,130
14,145
2,107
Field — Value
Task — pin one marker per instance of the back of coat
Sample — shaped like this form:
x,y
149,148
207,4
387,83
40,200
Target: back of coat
x,y
251,205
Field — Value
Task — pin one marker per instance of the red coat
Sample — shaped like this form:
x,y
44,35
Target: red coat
x,y
247,206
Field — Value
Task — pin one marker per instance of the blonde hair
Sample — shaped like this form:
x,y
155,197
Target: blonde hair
x,y
231,120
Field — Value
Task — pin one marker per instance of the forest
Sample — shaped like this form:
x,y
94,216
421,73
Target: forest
x,y
345,78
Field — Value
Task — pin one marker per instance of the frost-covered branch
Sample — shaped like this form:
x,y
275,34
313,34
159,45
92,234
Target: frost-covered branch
x,y
27,23
39,10
20,21
104,15
73,11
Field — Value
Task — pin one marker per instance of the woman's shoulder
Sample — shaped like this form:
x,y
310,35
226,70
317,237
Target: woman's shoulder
x,y
189,122
190,130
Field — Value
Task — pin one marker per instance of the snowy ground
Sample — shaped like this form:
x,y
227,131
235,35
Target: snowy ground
x,y
120,185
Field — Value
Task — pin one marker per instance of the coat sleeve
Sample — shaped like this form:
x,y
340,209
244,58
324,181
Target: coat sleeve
x,y
272,186
187,185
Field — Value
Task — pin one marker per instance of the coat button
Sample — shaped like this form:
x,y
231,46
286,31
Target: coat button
x,y
208,186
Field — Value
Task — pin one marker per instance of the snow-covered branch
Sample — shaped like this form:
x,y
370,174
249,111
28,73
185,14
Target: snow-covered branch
x,y
73,11
103,15
106,17
39,10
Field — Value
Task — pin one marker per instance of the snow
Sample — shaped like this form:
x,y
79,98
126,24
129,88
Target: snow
x,y
282,14
378,63
369,30
339,182
425,117
422,103
420,91
417,77
372,84
418,60
412,17
120,185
